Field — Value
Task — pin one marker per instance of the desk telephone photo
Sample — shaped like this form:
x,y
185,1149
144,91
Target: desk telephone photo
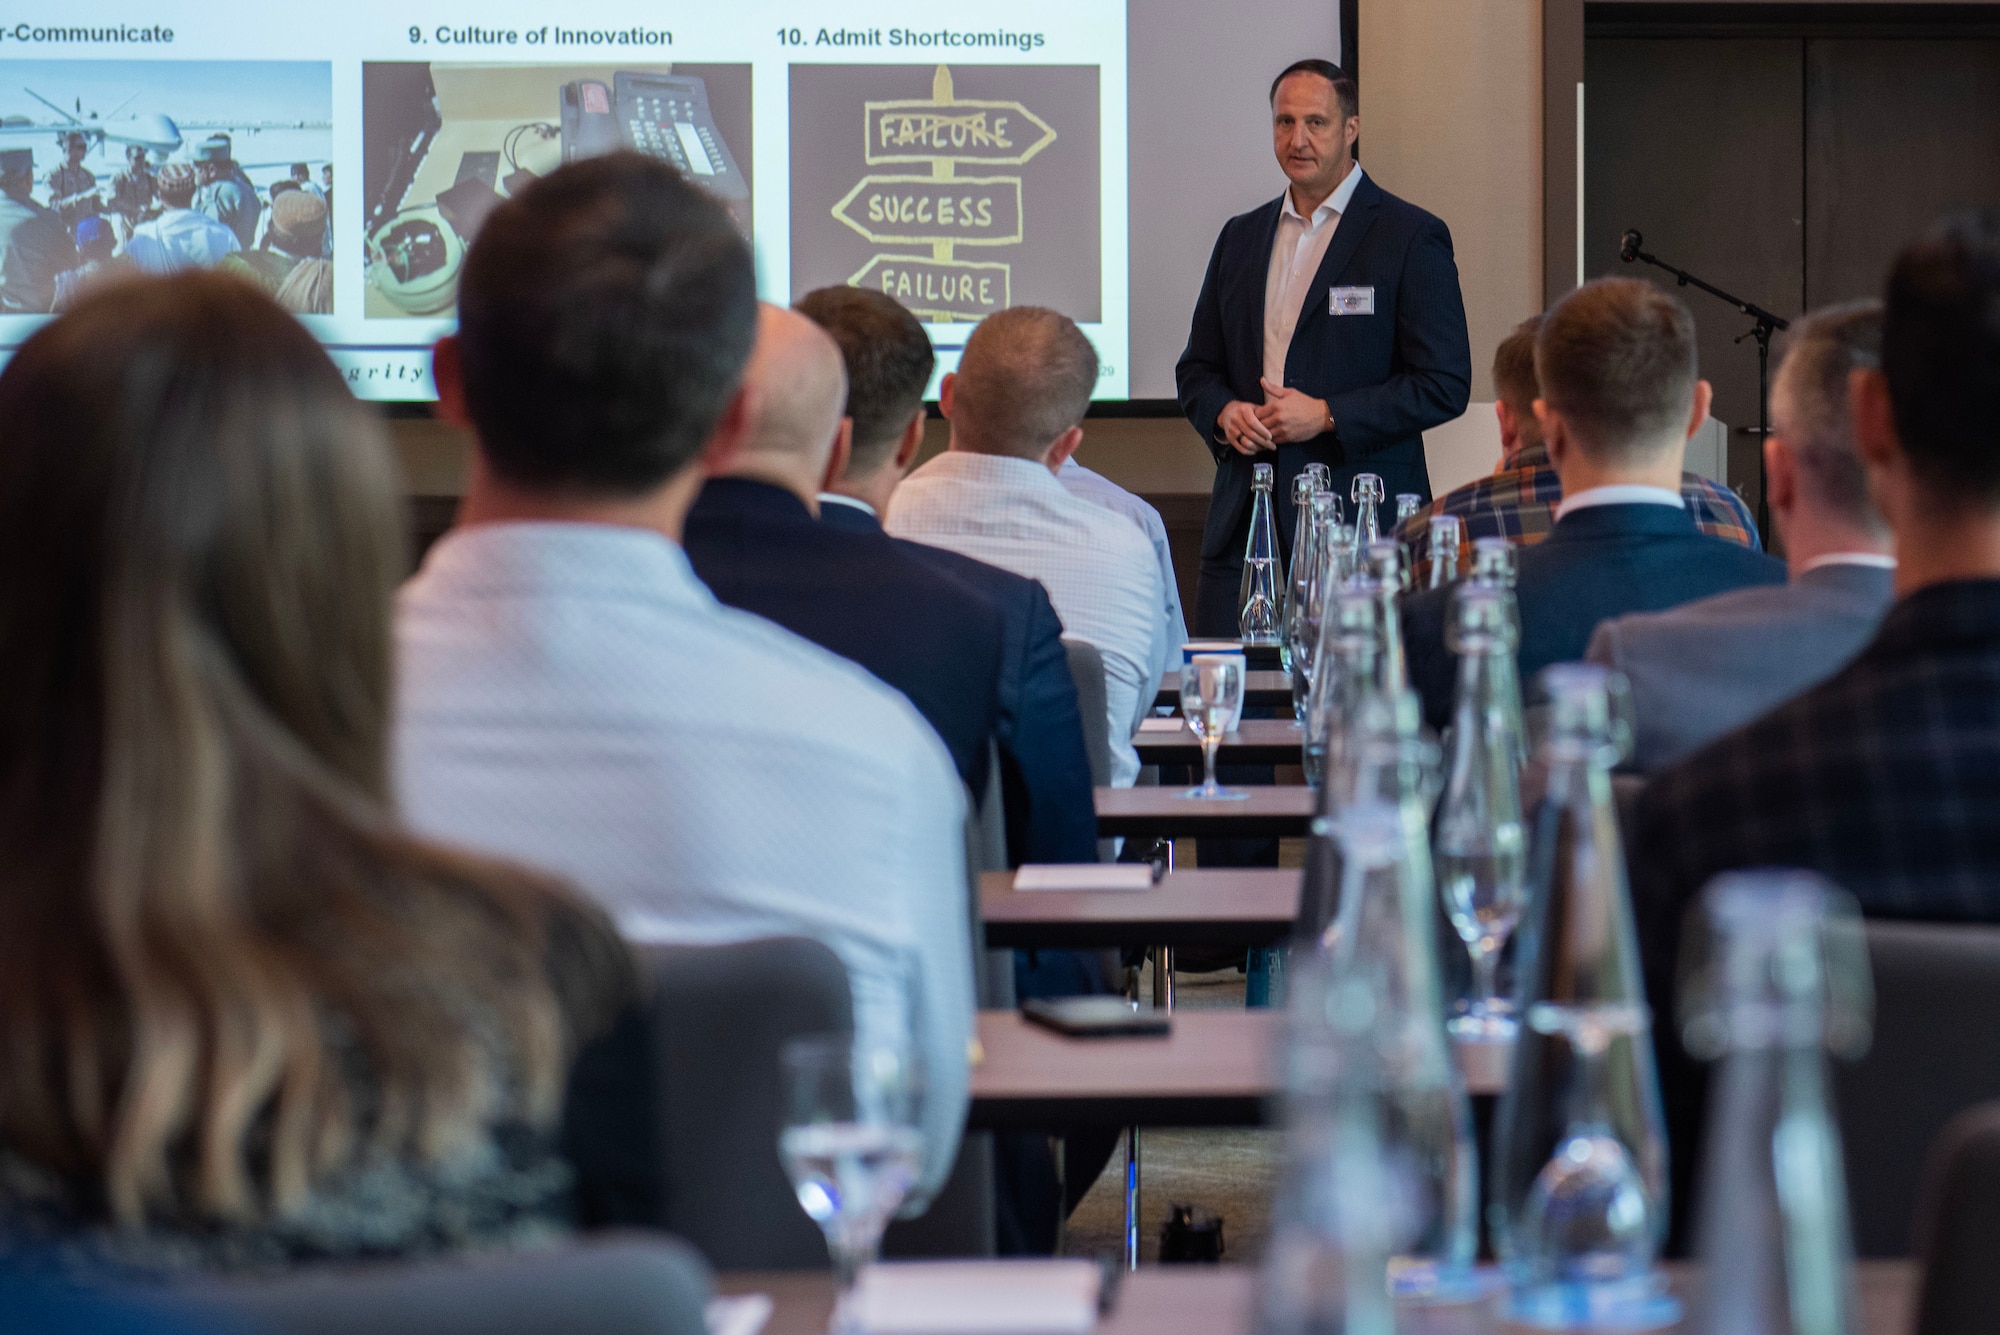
x,y
661,114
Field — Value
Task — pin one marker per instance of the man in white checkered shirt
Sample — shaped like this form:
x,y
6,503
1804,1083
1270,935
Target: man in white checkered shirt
x,y
1016,407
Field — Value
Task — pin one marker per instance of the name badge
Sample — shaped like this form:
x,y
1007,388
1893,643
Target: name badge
x,y
1351,300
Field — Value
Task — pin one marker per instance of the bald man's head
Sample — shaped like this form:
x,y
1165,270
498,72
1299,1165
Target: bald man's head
x,y
798,388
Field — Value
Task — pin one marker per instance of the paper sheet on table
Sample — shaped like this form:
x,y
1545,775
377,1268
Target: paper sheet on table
x,y
1084,876
1162,725
744,1314
979,1298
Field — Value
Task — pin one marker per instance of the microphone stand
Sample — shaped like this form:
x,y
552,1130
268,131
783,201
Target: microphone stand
x,y
1767,324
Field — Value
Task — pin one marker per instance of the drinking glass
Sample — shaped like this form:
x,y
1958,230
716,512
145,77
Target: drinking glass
x,y
1212,702
851,1146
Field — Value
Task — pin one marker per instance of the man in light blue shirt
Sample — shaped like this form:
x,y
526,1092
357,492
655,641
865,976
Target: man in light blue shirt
x,y
1100,490
570,694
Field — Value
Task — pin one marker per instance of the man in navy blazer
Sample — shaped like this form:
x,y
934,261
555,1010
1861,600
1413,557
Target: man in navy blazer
x,y
1620,397
1044,767
754,538
1330,329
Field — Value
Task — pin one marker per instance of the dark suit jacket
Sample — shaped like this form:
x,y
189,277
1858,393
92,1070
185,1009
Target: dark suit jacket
x,y
1596,563
759,549
1386,377
1044,769
1885,779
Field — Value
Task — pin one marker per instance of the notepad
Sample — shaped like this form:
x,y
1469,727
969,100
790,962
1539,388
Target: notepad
x,y
1084,876
1161,725
978,1297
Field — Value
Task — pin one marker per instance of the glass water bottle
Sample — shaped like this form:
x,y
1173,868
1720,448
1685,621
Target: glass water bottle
x,y
1346,668
1385,572
1481,840
1367,493
1578,1195
1383,936
1443,550
1775,974
1408,506
1312,567
1301,566
1259,621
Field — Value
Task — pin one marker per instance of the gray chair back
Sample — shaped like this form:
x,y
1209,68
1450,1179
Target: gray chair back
x,y
718,1016
1959,1227
1086,668
613,1286
1936,1052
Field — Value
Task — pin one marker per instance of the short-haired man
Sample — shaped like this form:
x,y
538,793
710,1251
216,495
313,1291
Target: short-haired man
x,y
1620,397
180,237
1089,485
1330,329
572,696
1885,778
1709,667
754,537
1016,407
1044,768
1518,499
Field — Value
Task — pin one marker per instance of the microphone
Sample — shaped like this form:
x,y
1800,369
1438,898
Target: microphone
x,y
1628,246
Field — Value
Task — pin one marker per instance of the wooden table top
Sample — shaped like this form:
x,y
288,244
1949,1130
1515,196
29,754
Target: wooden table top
x,y
1263,686
1214,1069
1229,906
1254,741
1265,810
1218,1300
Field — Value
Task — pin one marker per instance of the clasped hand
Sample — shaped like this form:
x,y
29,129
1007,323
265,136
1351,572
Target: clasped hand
x,y
1286,417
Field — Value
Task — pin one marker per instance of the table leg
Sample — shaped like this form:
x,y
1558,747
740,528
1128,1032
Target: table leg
x,y
1163,978
1131,1198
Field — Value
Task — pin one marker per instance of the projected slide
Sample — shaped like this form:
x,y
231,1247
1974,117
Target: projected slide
x,y
963,158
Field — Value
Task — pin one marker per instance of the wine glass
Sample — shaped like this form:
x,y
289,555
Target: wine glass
x,y
851,1145
1212,702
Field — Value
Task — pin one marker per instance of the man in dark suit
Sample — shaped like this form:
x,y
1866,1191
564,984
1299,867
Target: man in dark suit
x,y
1707,668
1329,329
754,538
1620,397
1044,768
1886,777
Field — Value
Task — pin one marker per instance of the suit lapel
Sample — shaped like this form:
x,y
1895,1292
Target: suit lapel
x,y
1362,210
1258,276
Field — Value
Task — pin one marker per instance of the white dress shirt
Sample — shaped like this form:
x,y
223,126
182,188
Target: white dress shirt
x,y
1296,252
571,696
1098,567
180,239
1101,490
1621,493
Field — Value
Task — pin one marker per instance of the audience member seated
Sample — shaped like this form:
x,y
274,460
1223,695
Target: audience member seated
x,y
755,539
1886,777
1708,668
1016,407
570,694
1098,489
1620,397
1044,769
1519,499
251,1021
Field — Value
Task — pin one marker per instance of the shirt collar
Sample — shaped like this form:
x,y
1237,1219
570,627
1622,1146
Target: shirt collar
x,y
1333,205
827,498
543,558
1003,470
1625,493
1873,560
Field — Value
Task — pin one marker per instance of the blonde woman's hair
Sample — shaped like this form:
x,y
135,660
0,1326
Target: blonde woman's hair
x,y
225,972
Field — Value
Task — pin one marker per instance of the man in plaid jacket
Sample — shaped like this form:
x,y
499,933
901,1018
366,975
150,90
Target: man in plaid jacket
x,y
1518,500
1886,777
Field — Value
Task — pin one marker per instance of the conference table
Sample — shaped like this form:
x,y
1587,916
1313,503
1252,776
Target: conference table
x,y
1264,811
1262,687
1253,741
1220,1299
1225,906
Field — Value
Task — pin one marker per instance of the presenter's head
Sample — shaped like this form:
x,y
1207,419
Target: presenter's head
x,y
605,316
1315,121
1620,390
1021,387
